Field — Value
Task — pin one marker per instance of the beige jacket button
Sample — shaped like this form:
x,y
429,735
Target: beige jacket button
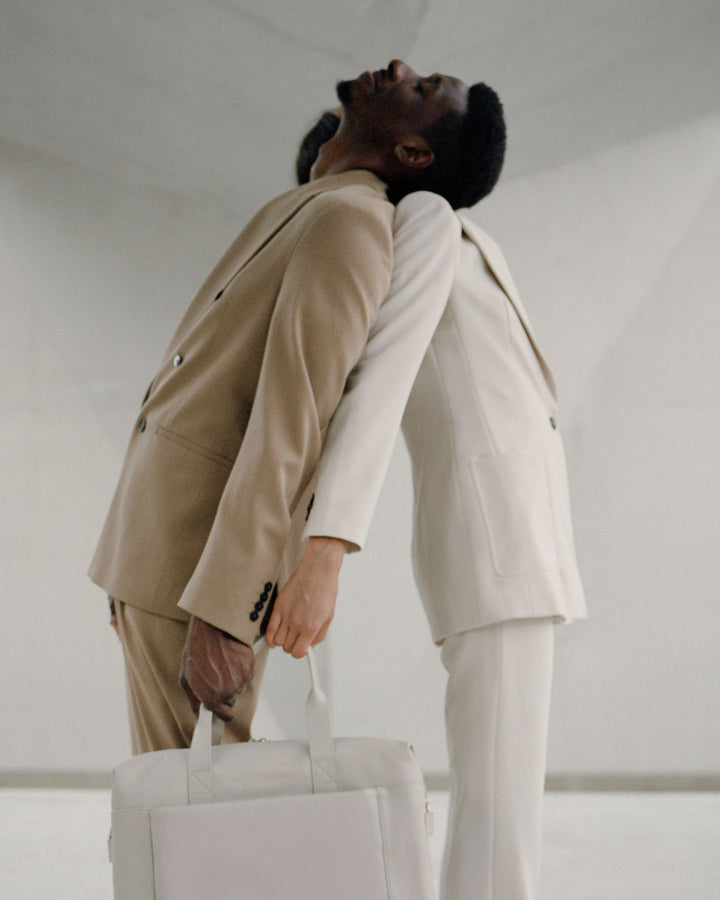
x,y
177,359
142,424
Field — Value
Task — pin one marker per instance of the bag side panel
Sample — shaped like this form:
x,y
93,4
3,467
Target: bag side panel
x,y
407,852
132,861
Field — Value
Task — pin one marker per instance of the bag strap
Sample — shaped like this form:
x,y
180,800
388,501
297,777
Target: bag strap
x,y
209,729
199,763
320,739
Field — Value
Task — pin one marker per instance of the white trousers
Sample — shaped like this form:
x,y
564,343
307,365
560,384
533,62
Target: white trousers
x,y
496,713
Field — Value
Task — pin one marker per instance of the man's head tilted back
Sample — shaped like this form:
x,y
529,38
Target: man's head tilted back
x,y
416,133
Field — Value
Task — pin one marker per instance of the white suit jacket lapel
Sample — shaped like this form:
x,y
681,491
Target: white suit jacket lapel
x,y
496,262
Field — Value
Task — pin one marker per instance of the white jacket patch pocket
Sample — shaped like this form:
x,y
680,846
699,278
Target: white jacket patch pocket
x,y
514,495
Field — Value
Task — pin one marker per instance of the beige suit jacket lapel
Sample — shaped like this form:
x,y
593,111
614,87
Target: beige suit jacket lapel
x,y
496,262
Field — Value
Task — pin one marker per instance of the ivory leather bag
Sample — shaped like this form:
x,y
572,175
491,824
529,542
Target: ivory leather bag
x,y
322,819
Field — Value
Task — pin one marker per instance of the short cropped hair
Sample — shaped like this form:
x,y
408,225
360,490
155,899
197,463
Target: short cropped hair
x,y
469,151
320,133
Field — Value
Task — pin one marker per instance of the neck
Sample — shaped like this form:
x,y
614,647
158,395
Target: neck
x,y
345,151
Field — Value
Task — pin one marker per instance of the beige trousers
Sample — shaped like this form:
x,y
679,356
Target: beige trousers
x,y
496,712
160,713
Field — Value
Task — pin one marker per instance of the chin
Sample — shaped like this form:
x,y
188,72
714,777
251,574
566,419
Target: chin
x,y
344,91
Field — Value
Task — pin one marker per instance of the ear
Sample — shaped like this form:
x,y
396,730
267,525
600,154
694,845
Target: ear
x,y
414,152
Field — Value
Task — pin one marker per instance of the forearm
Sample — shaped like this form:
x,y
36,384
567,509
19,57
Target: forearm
x,y
318,329
325,554
364,428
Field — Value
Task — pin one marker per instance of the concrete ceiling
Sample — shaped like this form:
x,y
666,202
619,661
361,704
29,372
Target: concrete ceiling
x,y
209,97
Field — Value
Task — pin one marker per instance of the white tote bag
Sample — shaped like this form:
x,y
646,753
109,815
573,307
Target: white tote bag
x,y
323,819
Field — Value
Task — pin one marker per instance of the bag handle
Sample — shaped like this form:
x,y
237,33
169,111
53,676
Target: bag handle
x,y
209,729
320,739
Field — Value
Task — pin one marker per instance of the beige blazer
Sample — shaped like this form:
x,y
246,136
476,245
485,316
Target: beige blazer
x,y
492,534
231,427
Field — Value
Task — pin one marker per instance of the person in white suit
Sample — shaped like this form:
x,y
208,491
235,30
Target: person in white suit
x,y
452,354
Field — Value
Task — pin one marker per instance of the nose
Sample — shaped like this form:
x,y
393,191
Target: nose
x,y
398,70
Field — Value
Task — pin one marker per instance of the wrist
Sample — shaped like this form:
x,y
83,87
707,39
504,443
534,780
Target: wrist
x,y
327,551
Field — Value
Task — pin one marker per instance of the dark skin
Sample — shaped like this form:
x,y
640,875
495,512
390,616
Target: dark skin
x,y
384,115
215,668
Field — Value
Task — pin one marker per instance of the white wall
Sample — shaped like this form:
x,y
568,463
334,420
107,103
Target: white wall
x,y
615,256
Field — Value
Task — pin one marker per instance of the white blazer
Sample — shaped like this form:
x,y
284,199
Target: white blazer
x,y
452,347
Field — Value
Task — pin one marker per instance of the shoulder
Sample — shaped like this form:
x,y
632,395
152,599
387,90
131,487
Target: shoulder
x,y
473,232
344,213
427,211
347,231
354,200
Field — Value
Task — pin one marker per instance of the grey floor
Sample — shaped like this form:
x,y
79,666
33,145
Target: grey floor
x,y
640,846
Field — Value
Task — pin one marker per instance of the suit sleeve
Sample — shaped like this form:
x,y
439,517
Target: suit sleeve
x,y
336,278
364,428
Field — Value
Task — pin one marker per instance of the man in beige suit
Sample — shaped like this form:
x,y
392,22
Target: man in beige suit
x,y
233,422
453,355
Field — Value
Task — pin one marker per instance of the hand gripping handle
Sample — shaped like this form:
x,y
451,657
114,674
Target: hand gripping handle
x,y
209,729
